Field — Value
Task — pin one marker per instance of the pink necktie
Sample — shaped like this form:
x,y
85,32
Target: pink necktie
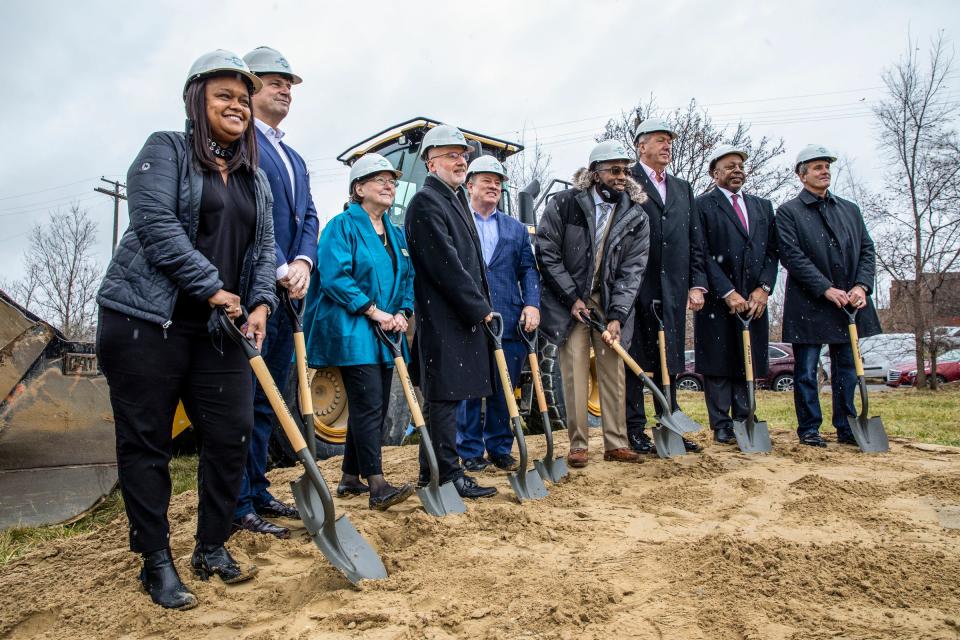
x,y
736,207
660,177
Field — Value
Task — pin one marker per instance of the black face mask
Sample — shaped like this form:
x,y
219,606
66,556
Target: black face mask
x,y
609,195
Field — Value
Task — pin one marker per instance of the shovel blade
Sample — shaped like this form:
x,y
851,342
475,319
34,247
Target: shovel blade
x,y
684,423
553,470
527,485
442,500
752,437
669,443
869,434
341,544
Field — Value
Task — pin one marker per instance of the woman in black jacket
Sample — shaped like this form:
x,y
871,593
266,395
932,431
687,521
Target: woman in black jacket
x,y
200,237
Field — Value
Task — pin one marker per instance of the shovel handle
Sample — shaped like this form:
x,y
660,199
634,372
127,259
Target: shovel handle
x,y
747,355
506,383
530,339
494,329
537,382
855,346
296,317
656,314
662,344
306,398
415,413
392,340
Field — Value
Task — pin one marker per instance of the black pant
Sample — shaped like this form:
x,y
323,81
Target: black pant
x,y
722,393
442,425
148,370
368,395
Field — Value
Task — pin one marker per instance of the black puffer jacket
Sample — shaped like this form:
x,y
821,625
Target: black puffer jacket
x,y
157,260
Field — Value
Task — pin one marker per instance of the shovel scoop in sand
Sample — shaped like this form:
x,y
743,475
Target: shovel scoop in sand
x,y
549,468
869,433
336,538
679,418
752,436
667,435
437,499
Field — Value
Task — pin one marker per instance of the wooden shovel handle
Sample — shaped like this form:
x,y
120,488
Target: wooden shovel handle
x,y
306,398
747,355
279,406
627,359
855,345
662,343
408,393
537,382
506,384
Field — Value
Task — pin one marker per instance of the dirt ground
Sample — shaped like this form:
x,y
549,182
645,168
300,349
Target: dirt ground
x,y
800,544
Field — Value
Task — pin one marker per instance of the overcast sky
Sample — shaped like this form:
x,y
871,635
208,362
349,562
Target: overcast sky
x,y
91,80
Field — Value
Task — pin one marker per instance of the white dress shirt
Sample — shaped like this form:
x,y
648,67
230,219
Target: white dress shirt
x,y
661,187
740,203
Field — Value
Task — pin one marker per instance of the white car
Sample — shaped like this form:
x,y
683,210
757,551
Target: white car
x,y
879,353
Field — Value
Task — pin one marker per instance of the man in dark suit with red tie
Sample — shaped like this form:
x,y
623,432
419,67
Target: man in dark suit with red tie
x,y
740,250
674,273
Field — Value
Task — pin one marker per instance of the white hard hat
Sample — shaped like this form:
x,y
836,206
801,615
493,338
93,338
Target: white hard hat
x,y
487,164
813,152
442,135
652,125
264,60
609,150
220,62
368,165
724,150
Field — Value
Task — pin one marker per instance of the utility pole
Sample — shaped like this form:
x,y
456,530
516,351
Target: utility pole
x,y
117,197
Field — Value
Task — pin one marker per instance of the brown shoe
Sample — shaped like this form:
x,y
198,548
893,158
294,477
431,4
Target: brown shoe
x,y
621,455
577,458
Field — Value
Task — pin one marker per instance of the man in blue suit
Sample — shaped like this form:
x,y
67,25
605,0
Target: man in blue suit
x,y
515,293
296,229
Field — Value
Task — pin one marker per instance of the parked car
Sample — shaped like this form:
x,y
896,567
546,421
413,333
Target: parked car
x,y
905,373
880,353
779,376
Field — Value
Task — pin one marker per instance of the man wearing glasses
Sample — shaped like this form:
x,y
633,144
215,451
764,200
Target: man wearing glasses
x,y
675,272
592,244
450,359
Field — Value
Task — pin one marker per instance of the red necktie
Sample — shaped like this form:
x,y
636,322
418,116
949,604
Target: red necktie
x,y
736,207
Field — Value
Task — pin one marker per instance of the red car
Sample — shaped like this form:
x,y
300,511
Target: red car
x,y
779,375
905,373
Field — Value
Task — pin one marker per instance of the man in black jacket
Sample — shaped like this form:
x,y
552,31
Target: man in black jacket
x,y
592,244
741,266
830,260
451,359
674,273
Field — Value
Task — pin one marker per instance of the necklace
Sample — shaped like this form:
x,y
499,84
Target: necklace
x,y
220,151
383,236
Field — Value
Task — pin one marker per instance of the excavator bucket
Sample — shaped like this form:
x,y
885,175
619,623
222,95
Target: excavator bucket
x,y
57,447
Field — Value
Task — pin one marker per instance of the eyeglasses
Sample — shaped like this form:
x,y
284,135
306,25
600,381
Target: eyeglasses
x,y
453,155
384,182
616,170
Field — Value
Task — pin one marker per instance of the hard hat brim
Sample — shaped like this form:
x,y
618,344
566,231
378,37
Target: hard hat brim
x,y
225,71
294,78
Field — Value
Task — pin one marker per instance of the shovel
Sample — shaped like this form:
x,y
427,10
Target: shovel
x,y
667,435
437,499
526,483
337,538
549,468
868,432
752,436
300,348
682,420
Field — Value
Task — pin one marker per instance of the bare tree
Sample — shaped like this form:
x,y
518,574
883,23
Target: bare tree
x,y
533,163
917,217
61,275
697,137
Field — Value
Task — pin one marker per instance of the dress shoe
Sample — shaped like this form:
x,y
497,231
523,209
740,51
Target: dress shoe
x,y
214,559
160,579
640,441
623,454
276,509
467,487
475,464
345,490
846,437
577,458
255,524
691,446
724,435
505,462
391,496
813,440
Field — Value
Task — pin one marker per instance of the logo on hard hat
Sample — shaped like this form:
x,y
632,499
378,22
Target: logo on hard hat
x,y
283,62
235,61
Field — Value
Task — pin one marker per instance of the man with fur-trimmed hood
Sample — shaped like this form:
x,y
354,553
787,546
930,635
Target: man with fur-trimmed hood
x,y
592,244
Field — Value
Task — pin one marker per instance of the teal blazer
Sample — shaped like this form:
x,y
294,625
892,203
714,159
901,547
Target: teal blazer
x,y
354,269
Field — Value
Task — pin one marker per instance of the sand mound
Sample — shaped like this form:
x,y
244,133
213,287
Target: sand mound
x,y
801,544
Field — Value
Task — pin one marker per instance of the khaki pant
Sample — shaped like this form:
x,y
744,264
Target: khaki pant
x,y
575,369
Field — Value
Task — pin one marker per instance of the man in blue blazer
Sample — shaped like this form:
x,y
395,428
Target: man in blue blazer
x,y
515,293
296,229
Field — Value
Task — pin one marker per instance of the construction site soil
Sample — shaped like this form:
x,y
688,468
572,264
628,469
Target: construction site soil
x,y
800,544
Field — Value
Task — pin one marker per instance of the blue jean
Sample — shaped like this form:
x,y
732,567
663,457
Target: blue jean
x,y
843,383
277,352
494,434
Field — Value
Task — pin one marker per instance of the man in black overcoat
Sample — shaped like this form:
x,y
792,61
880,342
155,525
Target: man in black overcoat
x,y
674,272
830,262
451,359
740,258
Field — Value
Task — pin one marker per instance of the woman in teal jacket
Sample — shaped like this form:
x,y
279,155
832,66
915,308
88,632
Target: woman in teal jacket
x,y
363,276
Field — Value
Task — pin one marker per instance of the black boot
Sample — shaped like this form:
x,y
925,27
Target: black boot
x,y
210,559
160,580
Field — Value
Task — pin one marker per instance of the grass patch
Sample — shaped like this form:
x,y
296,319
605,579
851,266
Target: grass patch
x,y
928,416
18,541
